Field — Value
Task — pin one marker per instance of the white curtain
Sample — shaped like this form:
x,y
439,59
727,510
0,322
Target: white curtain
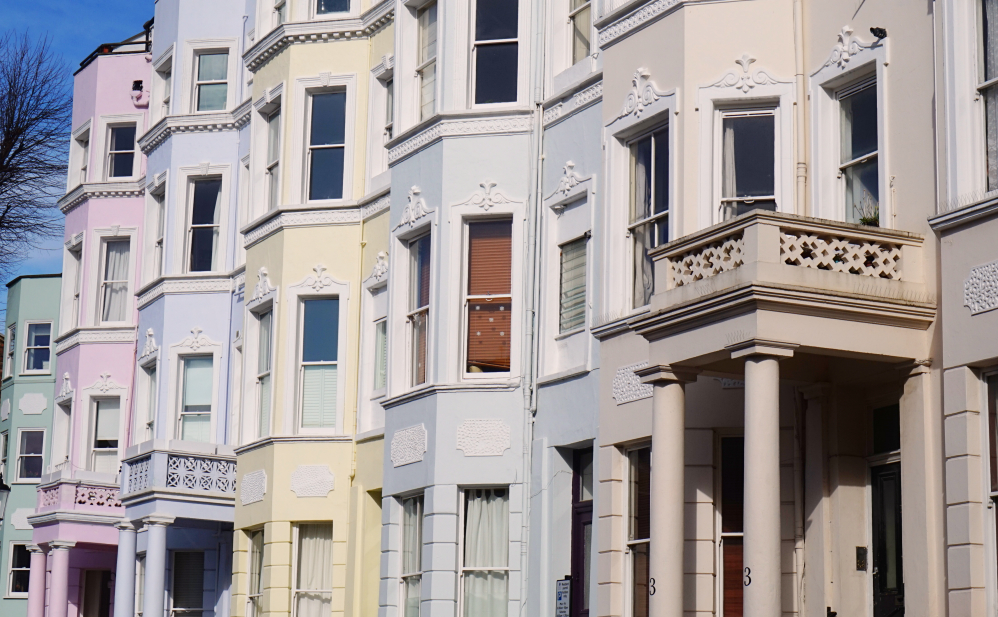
x,y
486,545
214,236
315,570
115,301
641,208
729,187
412,547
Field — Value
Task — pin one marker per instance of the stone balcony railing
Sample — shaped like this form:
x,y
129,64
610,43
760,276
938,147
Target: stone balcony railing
x,y
60,491
791,251
196,469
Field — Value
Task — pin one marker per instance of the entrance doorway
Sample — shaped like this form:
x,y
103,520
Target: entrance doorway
x,y
732,507
888,570
96,593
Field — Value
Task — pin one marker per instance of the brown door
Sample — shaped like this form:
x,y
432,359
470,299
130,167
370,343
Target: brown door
x,y
732,506
888,571
96,593
582,531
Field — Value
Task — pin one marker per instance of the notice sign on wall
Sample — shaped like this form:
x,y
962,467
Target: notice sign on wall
x,y
563,597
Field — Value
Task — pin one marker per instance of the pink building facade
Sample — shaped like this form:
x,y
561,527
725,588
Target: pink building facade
x,y
77,520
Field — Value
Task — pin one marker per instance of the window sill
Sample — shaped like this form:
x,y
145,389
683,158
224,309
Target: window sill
x,y
16,597
36,373
564,335
38,481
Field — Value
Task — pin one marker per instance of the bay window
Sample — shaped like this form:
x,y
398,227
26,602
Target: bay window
x,y
121,152
38,350
326,145
412,554
496,51
196,398
485,558
255,596
858,159
319,344
188,584
748,165
988,84
572,290
204,217
419,306
580,15
211,86
104,447
30,449
273,159
649,219
427,69
313,591
488,301
8,356
639,527
263,373
114,296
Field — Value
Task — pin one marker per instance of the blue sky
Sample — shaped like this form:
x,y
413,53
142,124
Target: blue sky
x,y
76,28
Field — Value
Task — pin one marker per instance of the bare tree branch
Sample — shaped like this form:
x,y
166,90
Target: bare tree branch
x,y
36,107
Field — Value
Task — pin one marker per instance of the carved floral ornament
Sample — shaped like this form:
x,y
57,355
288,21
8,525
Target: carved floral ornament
x,y
263,286
744,78
643,93
847,47
150,347
487,198
380,270
105,384
414,210
197,340
568,181
320,281
67,387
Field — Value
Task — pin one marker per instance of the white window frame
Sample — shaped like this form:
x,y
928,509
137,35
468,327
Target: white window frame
x,y
104,125
374,311
270,372
9,352
403,575
273,166
251,597
825,86
62,432
180,414
461,539
154,261
163,86
522,50
466,298
198,82
628,578
412,312
650,133
295,542
319,285
96,303
180,612
51,347
186,177
264,299
136,153
304,88
270,101
70,310
197,344
79,157
769,95
10,569
378,138
17,458
571,31
301,364
92,430
4,441
279,17
101,389
192,49
423,65
308,10
145,422
584,238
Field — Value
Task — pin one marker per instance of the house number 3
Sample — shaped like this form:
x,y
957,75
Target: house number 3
x,y
651,586
748,577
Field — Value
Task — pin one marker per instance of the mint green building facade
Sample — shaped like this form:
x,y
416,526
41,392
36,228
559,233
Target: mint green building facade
x,y
26,422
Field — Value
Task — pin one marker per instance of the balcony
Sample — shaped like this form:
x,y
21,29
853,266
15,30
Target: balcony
x,y
77,503
71,494
780,276
164,475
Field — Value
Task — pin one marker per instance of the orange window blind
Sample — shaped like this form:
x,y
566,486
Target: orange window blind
x,y
489,285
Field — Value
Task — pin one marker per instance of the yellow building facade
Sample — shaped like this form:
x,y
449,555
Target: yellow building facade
x,y
308,512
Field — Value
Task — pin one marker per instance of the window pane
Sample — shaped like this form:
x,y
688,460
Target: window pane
x,y
263,359
496,19
32,442
496,72
640,494
573,285
639,580
318,408
212,67
991,115
581,33
331,6
661,176
320,334
326,175
732,484
490,258
21,557
412,596
749,158
121,165
106,423
989,29
412,535
30,468
486,544
641,175
204,241
328,119
428,33
188,580
196,427
211,97
859,124
198,377
420,292
273,136
380,354
863,193
427,91
256,563
205,209
264,428
419,348
39,337
19,581
123,138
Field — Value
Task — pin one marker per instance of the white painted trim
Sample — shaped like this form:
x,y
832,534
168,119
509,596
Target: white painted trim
x,y
184,200
104,388
195,47
25,327
16,477
10,569
97,170
198,344
90,312
296,188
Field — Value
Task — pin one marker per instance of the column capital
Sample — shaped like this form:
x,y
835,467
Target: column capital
x,y
158,519
34,548
61,545
915,368
658,373
761,347
125,526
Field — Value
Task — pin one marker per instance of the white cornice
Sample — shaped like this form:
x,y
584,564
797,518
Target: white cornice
x,y
626,23
100,190
578,101
454,125
75,516
86,336
318,31
299,218
376,206
195,123
185,284
975,211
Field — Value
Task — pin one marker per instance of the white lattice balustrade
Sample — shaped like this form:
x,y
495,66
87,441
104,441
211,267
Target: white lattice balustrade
x,y
198,473
840,254
708,260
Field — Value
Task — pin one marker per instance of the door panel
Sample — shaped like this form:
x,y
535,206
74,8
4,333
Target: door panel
x,y
888,567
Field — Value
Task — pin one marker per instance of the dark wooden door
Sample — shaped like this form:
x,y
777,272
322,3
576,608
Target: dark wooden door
x,y
732,508
582,531
888,567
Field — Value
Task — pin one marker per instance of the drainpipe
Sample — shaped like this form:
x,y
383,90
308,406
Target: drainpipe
x,y
800,117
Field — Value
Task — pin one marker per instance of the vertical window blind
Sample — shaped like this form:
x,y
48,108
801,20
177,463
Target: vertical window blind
x,y
188,583
572,305
489,300
195,411
320,344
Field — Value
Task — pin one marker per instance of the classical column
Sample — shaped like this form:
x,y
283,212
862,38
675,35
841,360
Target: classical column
x,y
58,599
124,579
155,571
36,582
668,441
761,549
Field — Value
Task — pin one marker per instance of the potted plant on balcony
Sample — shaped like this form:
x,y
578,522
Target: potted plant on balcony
x,y
868,210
